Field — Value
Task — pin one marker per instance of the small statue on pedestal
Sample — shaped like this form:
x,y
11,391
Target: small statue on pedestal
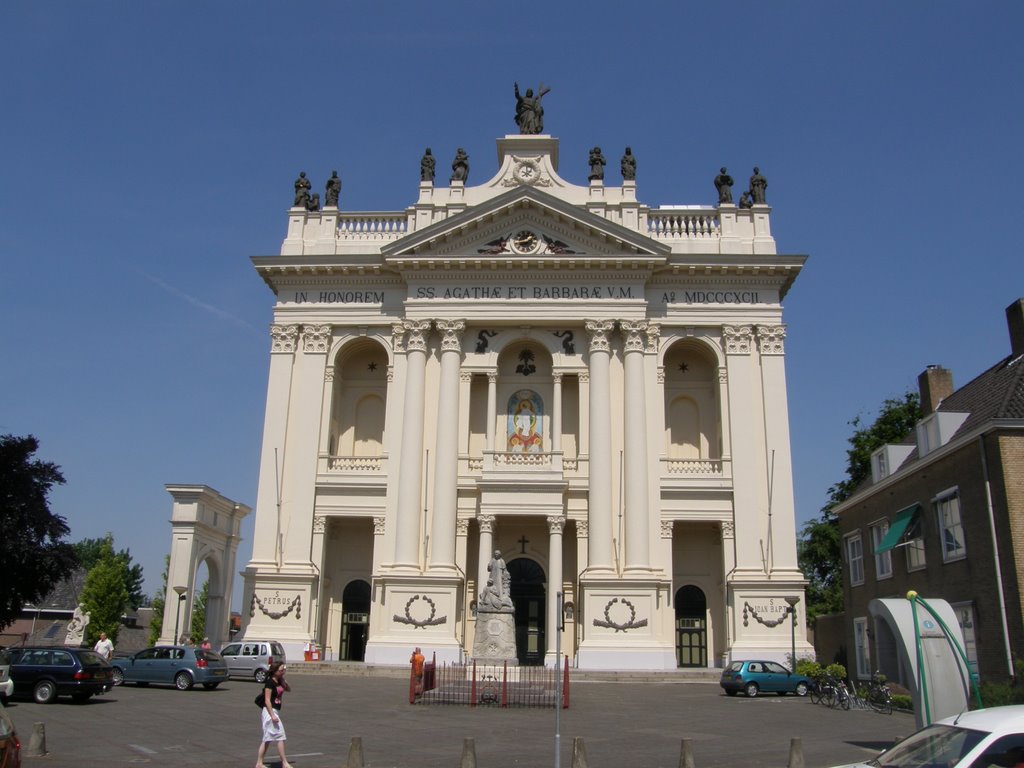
x,y
427,165
758,185
460,166
313,204
597,164
529,112
723,183
628,165
302,187
333,191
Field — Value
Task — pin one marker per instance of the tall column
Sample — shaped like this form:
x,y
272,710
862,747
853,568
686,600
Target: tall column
x,y
600,474
486,525
407,537
446,459
770,340
635,437
745,427
319,601
492,408
300,463
556,413
266,540
554,621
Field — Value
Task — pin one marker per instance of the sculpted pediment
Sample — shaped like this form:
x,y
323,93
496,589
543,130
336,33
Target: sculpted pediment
x,y
524,223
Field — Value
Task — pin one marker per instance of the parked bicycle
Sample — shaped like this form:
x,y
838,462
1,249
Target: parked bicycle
x,y
879,697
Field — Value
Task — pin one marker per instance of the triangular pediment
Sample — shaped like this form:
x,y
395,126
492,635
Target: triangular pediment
x,y
524,223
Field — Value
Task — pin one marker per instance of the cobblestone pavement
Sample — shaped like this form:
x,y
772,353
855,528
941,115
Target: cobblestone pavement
x,y
636,724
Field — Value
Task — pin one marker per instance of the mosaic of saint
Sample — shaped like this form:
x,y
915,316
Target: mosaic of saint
x,y
525,412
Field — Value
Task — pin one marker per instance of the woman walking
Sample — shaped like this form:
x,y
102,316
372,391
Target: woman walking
x,y
270,713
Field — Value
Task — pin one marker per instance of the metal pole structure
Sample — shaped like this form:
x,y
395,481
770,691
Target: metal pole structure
x,y
792,633
177,610
558,680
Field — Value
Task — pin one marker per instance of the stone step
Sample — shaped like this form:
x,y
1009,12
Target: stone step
x,y
358,669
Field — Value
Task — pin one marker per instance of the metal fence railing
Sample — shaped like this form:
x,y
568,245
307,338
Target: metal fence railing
x,y
498,685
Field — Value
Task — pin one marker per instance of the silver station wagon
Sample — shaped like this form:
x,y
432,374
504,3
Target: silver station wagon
x,y
252,658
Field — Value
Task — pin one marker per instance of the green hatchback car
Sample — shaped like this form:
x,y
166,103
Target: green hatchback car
x,y
754,677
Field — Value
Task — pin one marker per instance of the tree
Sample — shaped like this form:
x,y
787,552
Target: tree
x,y
35,558
197,627
105,596
156,621
820,550
89,552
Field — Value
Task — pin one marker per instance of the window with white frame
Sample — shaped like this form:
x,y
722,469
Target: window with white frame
x,y
860,643
965,618
915,544
883,560
855,557
951,529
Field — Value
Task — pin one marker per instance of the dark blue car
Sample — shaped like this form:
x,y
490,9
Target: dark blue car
x,y
754,677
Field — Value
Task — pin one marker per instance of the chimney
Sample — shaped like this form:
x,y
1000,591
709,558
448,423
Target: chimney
x,y
935,384
1015,324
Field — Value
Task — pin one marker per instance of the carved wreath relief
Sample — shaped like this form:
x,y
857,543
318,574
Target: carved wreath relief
x,y
430,621
620,626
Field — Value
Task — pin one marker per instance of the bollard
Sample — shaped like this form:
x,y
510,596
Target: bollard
x,y
579,753
355,753
686,754
468,754
37,741
796,753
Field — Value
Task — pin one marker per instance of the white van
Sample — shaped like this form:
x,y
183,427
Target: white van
x,y
252,658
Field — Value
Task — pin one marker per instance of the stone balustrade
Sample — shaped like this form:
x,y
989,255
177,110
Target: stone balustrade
x,y
690,224
378,226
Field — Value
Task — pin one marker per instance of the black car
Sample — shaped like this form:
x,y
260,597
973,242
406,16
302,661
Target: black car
x,y
46,673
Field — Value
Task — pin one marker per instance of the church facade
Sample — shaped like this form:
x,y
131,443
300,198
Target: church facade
x,y
592,388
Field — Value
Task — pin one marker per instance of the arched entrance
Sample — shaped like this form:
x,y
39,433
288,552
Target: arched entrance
x,y
691,627
355,621
527,591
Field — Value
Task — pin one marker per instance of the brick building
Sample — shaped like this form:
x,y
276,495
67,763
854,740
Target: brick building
x,y
943,514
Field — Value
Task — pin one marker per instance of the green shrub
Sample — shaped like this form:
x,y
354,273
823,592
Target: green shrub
x,y
1000,694
809,668
838,671
899,701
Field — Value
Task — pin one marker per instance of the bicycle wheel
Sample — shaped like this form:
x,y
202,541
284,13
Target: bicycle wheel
x,y
844,698
815,693
881,701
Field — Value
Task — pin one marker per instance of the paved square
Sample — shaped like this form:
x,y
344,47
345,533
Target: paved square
x,y
634,724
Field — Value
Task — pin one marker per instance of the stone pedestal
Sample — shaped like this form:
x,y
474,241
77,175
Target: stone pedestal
x,y
495,637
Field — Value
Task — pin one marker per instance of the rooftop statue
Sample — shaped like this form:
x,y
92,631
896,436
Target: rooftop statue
x,y
723,183
313,204
597,164
333,191
427,165
460,166
758,184
529,112
628,165
302,187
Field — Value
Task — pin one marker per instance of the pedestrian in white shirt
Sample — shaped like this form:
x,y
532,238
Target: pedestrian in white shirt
x,y
104,647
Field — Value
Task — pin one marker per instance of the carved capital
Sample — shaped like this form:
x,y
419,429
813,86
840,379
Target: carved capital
x,y
666,529
653,337
378,526
283,338
462,526
319,524
492,377
556,377
582,528
451,330
728,529
634,332
486,523
417,331
737,339
555,524
466,377
598,331
770,339
398,337
584,377
316,338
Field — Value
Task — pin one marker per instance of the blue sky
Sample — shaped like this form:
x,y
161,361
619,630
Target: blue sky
x,y
150,148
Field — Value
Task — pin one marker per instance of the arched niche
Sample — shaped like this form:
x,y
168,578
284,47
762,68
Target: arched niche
x,y
693,428
359,399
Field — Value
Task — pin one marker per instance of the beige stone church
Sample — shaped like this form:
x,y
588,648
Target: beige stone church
x,y
591,386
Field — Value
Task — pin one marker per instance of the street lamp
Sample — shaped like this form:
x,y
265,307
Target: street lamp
x,y
177,610
793,600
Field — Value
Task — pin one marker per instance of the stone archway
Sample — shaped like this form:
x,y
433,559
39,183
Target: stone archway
x,y
204,527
